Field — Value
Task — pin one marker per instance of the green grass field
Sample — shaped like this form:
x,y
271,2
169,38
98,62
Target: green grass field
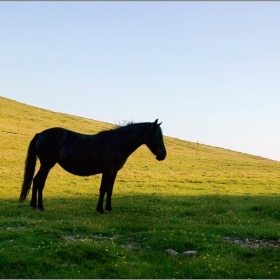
x,y
220,203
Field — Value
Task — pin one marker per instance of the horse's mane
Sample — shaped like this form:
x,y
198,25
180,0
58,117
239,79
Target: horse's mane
x,y
120,126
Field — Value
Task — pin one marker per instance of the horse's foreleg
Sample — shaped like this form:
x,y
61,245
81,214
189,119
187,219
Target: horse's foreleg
x,y
106,186
110,191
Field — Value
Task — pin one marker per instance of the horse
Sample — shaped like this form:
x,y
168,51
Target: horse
x,y
81,154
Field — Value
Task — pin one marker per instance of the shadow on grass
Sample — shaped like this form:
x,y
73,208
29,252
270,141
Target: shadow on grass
x,y
70,236
148,211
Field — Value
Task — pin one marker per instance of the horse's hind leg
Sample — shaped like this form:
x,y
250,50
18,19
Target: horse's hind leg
x,y
38,186
102,192
33,202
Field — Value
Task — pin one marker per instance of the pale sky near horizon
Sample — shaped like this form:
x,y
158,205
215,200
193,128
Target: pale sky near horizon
x,y
208,70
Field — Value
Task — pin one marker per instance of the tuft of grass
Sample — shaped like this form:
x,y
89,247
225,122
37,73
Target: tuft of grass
x,y
193,200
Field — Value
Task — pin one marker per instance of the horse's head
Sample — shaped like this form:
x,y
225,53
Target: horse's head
x,y
154,141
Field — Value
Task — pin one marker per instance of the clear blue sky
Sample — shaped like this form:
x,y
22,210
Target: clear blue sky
x,y
209,70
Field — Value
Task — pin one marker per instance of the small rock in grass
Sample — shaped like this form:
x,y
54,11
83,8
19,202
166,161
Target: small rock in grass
x,y
189,253
171,252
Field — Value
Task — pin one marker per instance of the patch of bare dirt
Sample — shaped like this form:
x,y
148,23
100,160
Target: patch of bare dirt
x,y
253,243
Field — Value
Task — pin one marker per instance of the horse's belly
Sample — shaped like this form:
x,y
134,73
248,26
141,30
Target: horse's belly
x,y
87,163
80,168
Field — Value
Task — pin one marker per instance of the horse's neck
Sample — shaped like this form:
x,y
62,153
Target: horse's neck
x,y
134,139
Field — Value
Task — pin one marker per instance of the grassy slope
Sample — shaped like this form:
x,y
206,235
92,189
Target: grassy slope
x,y
190,201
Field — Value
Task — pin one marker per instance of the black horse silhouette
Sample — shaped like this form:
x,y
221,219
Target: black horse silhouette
x,y
84,155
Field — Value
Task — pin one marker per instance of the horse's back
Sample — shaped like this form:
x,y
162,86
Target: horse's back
x,y
51,136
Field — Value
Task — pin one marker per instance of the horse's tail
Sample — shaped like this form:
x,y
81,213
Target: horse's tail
x,y
29,171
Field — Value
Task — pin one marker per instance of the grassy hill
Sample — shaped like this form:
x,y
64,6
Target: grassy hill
x,y
220,203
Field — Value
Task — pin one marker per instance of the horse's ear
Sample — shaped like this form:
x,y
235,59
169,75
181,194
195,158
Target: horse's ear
x,y
156,122
154,126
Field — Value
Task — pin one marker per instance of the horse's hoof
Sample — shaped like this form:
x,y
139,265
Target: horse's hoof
x,y
33,205
100,211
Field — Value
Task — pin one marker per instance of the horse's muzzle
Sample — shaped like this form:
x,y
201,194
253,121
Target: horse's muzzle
x,y
161,157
